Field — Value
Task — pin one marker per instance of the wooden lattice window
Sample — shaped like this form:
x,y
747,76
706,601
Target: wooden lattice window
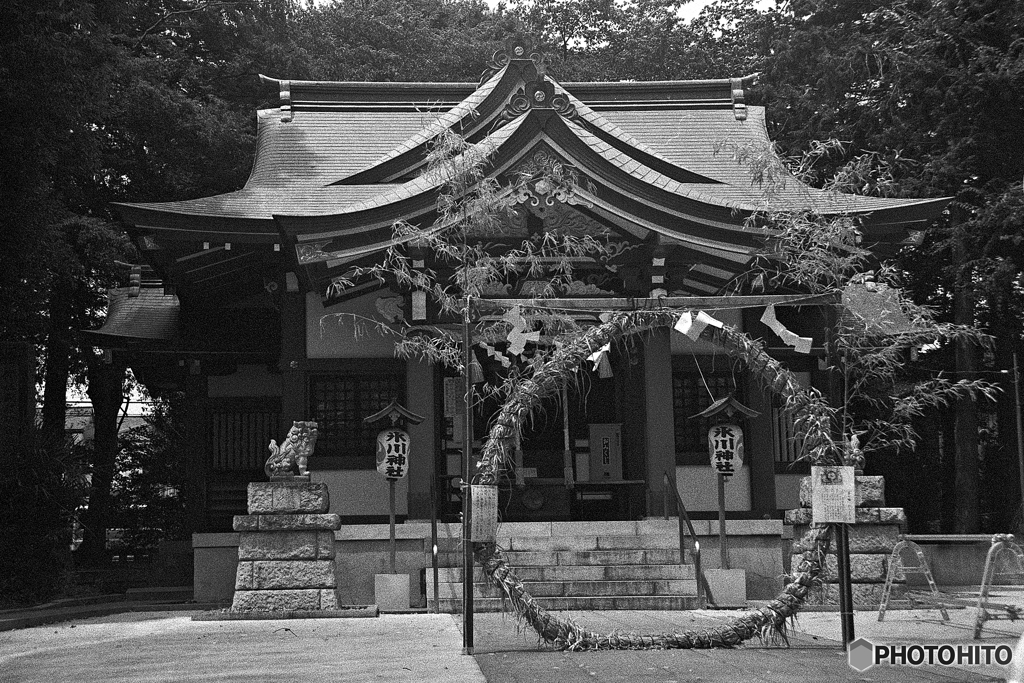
x,y
339,403
240,430
689,397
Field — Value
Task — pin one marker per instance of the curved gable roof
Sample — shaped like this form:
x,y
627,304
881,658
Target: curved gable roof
x,y
338,163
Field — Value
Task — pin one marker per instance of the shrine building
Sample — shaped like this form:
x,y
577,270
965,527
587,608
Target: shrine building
x,y
246,314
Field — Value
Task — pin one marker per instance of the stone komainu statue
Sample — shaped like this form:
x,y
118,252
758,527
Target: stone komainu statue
x,y
291,456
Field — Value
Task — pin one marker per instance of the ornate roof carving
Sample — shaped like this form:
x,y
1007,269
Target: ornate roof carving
x,y
517,48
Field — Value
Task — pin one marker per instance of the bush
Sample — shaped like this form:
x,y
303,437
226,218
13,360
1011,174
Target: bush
x,y
40,492
147,505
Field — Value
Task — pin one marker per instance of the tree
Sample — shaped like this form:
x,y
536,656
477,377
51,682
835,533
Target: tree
x,y
647,39
930,88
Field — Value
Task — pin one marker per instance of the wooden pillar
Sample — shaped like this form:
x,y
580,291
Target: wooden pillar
x,y
197,462
759,455
293,356
420,391
659,423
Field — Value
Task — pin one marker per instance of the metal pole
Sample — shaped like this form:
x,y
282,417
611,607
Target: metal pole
x,y
1020,429
567,450
845,585
467,477
723,544
391,500
433,540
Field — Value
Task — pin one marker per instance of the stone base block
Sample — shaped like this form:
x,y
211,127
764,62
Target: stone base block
x,y
728,586
863,568
864,594
287,497
307,522
803,516
869,491
870,538
286,545
391,591
285,600
279,574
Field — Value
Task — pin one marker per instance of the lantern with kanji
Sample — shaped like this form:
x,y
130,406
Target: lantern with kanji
x,y
393,446
393,442
725,435
393,453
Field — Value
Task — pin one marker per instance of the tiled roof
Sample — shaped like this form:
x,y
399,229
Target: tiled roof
x,y
647,130
319,147
464,109
258,204
151,316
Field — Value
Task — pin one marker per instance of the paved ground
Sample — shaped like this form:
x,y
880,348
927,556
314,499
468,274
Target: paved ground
x,y
169,646
814,653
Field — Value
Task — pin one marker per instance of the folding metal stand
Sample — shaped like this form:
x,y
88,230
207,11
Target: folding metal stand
x,y
1001,543
896,565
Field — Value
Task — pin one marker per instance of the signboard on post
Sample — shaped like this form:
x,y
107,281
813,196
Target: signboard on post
x,y
833,497
484,515
725,445
393,453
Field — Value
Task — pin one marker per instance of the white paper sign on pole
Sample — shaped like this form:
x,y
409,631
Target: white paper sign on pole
x,y
483,518
833,498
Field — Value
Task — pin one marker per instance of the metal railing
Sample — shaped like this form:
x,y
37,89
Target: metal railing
x,y
686,527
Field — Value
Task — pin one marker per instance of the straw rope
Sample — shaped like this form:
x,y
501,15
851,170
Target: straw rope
x,y
812,418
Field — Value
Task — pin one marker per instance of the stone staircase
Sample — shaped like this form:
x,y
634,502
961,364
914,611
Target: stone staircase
x,y
578,566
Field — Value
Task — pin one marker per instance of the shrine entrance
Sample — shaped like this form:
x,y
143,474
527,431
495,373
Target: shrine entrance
x,y
581,457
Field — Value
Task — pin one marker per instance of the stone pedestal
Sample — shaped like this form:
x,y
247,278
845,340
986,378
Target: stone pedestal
x,y
728,586
391,591
872,538
286,549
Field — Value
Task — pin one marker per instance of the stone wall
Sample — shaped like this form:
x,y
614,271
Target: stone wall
x,y
872,538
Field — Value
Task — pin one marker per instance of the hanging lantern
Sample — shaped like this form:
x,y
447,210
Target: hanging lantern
x,y
725,438
725,446
393,453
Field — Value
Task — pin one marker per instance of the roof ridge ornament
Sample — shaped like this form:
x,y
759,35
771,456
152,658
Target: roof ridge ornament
x,y
538,94
739,99
518,48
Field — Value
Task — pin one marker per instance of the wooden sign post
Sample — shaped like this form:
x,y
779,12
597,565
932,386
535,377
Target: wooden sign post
x,y
393,463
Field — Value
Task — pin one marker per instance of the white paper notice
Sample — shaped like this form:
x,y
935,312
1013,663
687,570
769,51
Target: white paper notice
x,y
483,519
833,495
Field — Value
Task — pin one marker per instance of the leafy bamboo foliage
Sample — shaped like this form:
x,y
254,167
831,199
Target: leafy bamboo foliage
x,y
878,331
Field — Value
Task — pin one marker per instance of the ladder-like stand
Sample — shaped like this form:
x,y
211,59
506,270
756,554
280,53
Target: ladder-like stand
x,y
1001,544
896,564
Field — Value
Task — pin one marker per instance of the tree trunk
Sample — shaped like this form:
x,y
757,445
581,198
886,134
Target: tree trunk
x,y
106,391
58,363
966,519
1001,479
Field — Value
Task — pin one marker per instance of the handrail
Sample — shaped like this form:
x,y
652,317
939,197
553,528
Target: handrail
x,y
703,589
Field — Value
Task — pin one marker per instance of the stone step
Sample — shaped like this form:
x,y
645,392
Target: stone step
x,y
610,572
539,589
577,543
595,603
579,557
